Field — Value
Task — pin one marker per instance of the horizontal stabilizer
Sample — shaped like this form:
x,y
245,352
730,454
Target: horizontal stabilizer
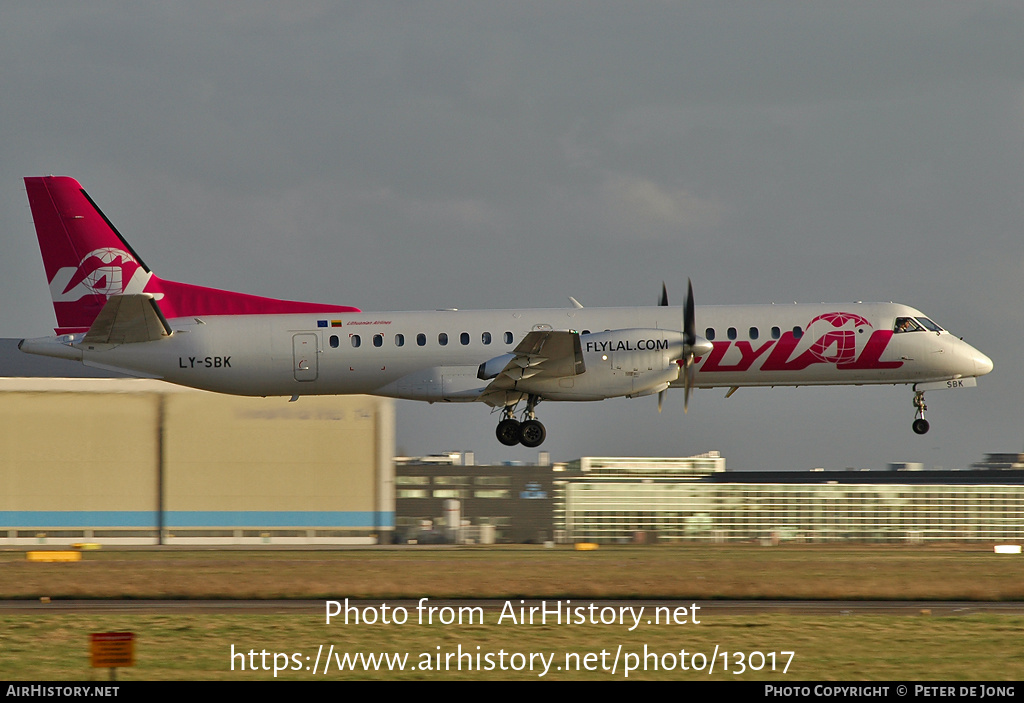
x,y
128,319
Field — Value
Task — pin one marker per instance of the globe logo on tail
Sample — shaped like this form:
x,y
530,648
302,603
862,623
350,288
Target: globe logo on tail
x,y
105,271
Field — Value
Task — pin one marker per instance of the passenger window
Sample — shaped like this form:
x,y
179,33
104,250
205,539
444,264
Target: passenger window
x,y
776,333
421,340
399,340
731,333
709,333
753,333
486,337
797,332
585,332
508,338
442,339
335,341
464,338
378,340
355,340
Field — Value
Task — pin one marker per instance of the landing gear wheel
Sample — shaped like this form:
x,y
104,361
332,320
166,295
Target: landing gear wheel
x,y
508,432
532,433
920,425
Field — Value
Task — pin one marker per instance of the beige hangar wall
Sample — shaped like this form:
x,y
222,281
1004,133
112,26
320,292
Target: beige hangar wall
x,y
128,460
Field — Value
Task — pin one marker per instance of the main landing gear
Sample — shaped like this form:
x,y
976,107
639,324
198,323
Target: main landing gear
x,y
530,432
920,424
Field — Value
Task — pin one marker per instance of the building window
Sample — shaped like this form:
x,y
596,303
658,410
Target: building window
x,y
450,493
493,480
412,480
412,493
451,480
492,493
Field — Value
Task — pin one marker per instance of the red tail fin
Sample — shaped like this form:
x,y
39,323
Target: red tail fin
x,y
87,261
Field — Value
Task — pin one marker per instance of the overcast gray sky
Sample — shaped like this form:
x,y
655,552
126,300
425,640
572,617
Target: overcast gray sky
x,y
423,155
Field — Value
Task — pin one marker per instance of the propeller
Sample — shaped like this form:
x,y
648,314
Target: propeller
x,y
689,340
662,302
693,346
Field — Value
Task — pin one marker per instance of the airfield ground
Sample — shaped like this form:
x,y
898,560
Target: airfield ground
x,y
796,571
971,646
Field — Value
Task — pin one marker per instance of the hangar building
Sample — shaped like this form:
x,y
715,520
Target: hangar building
x,y
133,461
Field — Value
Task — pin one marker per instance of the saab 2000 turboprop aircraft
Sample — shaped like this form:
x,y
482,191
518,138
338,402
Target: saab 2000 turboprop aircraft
x,y
114,313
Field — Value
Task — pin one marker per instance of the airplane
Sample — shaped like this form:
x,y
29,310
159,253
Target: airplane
x,y
114,313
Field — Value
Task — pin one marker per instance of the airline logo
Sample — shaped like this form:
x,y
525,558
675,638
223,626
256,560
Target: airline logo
x,y
842,338
106,271
836,336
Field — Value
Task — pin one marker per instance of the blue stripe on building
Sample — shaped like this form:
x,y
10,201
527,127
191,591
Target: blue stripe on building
x,y
195,518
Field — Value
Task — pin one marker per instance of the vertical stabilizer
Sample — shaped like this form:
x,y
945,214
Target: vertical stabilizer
x,y
87,261
85,258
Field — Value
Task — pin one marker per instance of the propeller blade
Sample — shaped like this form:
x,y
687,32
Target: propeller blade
x,y
689,340
689,321
687,384
689,343
662,302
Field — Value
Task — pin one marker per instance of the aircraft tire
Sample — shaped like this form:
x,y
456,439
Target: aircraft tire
x,y
920,426
532,433
508,432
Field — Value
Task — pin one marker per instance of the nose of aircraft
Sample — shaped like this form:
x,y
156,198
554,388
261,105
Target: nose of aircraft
x,y
971,361
982,364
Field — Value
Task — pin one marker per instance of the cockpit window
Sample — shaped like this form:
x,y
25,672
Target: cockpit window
x,y
907,324
929,324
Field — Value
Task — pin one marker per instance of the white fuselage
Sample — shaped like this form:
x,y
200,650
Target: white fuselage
x,y
435,356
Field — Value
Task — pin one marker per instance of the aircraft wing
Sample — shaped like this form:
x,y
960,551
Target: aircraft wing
x,y
126,319
545,354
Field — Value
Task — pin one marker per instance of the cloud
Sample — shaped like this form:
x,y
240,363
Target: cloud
x,y
643,199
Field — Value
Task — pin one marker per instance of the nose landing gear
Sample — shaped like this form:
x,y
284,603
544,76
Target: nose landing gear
x,y
530,432
920,424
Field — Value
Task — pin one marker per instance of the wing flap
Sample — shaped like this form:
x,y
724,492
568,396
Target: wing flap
x,y
541,354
